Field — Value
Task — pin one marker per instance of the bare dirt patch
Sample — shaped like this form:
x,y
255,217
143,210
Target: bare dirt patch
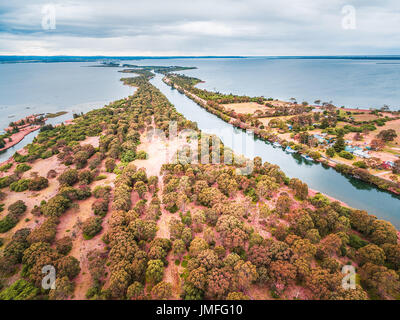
x,y
245,107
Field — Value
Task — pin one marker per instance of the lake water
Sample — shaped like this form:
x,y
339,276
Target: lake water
x,y
352,191
345,82
27,88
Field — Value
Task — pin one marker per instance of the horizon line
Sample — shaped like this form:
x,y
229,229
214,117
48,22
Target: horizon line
x,y
197,56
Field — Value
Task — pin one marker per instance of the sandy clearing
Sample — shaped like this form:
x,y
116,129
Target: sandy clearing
x,y
159,152
266,121
94,141
245,107
32,198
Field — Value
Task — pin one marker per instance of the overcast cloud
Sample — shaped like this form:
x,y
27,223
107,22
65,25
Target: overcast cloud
x,y
217,27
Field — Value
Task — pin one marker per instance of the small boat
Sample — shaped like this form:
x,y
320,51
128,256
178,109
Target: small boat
x,y
290,150
276,144
307,157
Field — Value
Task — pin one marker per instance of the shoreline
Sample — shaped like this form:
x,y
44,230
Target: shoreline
x,y
19,136
241,125
313,192
22,150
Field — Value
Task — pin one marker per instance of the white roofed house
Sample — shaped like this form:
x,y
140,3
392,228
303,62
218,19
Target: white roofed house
x,y
361,154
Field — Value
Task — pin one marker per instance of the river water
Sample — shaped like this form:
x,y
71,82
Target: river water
x,y
352,191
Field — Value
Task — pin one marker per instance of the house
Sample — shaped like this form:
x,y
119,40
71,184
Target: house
x,y
317,110
361,154
319,138
352,149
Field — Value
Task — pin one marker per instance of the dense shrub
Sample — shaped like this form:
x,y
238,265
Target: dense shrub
x,y
85,177
38,183
110,165
5,167
15,211
69,177
91,227
7,180
22,167
346,155
64,245
100,207
360,164
46,232
56,206
19,290
20,185
17,208
102,192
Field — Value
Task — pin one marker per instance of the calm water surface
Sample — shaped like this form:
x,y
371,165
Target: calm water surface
x,y
351,83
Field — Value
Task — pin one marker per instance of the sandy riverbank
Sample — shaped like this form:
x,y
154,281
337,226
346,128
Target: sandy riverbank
x,y
17,137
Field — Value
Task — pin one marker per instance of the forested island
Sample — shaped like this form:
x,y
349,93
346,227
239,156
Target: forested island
x,y
94,199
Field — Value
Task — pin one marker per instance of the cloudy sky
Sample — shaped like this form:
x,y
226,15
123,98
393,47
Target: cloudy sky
x,y
204,27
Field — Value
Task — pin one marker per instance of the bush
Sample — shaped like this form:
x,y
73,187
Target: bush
x,y
356,242
7,223
80,159
330,152
346,155
56,206
7,180
68,266
51,174
110,165
38,183
141,155
15,211
81,193
46,232
22,167
102,192
315,155
20,185
128,156
85,177
64,245
17,208
100,207
19,290
19,158
95,162
360,164
69,177
91,227
5,167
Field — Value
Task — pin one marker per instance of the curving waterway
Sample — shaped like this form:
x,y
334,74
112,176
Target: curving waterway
x,y
352,191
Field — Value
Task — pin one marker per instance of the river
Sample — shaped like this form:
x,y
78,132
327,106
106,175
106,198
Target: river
x,y
354,192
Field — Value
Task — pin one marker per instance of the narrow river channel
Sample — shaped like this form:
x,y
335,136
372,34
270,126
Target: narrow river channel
x,y
352,191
